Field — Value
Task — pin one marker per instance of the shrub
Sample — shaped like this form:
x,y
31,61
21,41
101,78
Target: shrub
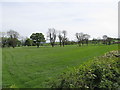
x,y
101,72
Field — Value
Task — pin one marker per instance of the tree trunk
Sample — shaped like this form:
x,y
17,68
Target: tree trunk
x,y
38,45
63,44
60,43
79,43
52,44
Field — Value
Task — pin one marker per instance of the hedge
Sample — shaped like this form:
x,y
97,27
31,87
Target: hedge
x,y
101,72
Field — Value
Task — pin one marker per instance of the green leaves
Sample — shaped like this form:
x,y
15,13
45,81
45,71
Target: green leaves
x,y
103,72
37,38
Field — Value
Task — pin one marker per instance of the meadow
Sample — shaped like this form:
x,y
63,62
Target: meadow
x,y
31,67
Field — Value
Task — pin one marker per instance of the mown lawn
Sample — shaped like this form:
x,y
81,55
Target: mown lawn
x,y
32,67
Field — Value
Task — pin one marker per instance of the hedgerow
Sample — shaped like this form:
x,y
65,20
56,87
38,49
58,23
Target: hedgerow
x,y
101,72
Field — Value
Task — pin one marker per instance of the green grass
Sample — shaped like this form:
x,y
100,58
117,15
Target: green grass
x,y
101,72
32,67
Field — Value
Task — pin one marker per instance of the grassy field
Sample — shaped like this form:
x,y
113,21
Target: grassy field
x,y
32,67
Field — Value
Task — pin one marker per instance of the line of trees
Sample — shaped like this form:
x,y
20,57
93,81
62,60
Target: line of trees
x,y
52,34
82,38
12,39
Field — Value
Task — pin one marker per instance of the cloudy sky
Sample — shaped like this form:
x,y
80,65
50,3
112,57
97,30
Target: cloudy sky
x,y
94,17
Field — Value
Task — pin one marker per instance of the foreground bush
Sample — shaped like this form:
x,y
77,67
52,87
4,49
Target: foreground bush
x,y
102,72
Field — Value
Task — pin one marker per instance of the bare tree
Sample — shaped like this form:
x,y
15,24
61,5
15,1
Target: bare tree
x,y
60,38
86,37
13,36
80,37
64,37
52,36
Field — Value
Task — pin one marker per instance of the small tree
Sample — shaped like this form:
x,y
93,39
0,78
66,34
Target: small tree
x,y
13,38
64,39
18,43
94,41
109,40
28,42
80,38
105,39
52,36
60,38
37,38
3,39
86,38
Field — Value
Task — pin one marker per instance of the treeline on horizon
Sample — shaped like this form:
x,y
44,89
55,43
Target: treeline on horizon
x,y
11,39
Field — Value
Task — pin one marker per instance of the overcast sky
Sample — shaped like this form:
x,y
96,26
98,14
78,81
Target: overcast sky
x,y
94,17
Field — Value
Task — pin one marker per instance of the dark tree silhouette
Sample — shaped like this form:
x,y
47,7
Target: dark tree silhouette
x,y
37,38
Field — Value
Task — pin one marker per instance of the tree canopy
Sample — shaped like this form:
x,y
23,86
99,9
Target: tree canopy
x,y
37,38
